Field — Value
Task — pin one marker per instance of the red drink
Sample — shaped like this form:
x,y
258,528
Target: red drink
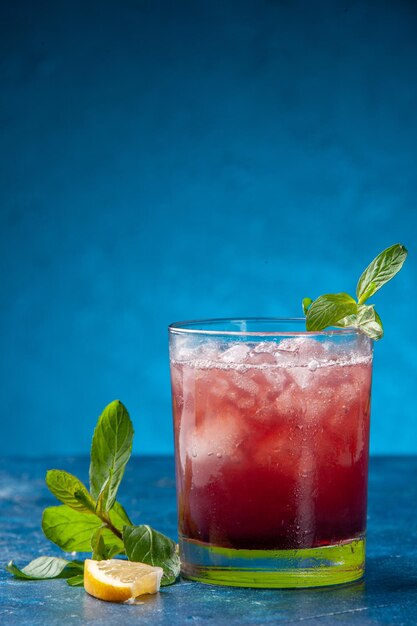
x,y
272,442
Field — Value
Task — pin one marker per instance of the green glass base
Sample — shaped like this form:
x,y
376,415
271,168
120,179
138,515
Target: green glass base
x,y
309,567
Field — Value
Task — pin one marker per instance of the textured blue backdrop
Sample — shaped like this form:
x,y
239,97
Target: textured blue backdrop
x,y
176,160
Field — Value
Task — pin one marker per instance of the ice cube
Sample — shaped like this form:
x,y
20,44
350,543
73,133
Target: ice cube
x,y
217,386
245,382
182,349
300,351
260,358
209,350
214,442
176,378
291,403
265,347
289,345
302,376
246,391
236,354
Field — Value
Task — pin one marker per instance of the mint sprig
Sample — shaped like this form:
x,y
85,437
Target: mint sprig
x,y
94,520
342,310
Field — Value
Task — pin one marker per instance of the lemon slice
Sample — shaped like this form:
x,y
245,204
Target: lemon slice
x,y
116,580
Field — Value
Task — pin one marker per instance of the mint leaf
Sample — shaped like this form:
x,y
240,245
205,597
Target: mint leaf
x,y
110,451
306,304
45,568
70,491
366,320
369,322
72,530
349,320
327,310
369,291
76,581
119,516
102,498
146,545
384,267
98,546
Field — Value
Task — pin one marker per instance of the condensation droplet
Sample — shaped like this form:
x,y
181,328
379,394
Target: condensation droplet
x,y
219,455
193,452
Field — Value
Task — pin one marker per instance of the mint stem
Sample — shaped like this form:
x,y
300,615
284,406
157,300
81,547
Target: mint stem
x,y
110,526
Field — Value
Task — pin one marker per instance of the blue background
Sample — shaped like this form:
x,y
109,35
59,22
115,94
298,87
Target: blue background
x,y
177,160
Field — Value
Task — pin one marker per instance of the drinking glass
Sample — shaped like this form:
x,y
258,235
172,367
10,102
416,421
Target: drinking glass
x,y
271,427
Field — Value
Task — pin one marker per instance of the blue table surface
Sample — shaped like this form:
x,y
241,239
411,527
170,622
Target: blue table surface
x,y
387,595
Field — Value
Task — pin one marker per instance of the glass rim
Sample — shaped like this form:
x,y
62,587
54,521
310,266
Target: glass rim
x,y
186,327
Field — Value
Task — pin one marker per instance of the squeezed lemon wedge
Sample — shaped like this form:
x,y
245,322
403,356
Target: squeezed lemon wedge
x,y
116,580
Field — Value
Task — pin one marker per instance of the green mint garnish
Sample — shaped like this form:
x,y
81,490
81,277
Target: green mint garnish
x,y
307,302
47,567
69,490
94,521
146,545
342,310
110,451
72,530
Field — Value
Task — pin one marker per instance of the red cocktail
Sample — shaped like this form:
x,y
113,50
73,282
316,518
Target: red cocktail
x,y
271,436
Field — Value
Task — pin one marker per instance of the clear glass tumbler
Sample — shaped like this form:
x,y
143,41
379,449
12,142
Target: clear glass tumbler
x,y
271,441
